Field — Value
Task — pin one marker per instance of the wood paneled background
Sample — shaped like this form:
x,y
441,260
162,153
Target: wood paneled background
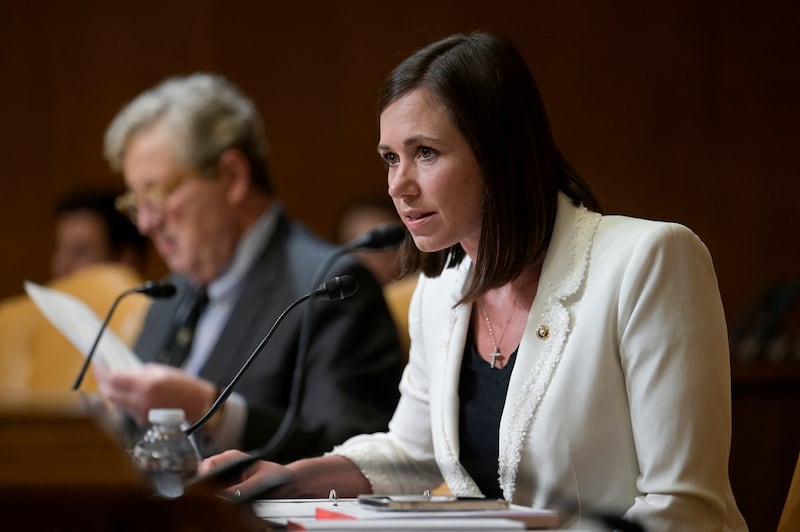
x,y
679,110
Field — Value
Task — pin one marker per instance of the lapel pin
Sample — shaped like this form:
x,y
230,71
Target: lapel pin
x,y
543,332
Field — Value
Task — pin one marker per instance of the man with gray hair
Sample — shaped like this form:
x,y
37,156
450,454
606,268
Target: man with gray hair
x,y
193,154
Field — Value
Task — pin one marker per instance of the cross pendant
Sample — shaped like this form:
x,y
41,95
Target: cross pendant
x,y
494,354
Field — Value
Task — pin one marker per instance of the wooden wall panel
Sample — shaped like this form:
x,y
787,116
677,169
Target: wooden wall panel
x,y
673,110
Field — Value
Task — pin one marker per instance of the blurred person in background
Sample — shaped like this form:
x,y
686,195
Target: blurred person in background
x,y
364,215
193,154
89,229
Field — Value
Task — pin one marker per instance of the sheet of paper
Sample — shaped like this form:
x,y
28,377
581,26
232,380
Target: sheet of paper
x,y
80,325
283,508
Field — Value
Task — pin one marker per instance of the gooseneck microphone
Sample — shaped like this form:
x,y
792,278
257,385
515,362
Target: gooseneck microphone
x,y
154,289
334,289
382,237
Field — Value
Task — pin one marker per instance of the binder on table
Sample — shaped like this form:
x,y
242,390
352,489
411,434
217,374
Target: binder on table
x,y
344,514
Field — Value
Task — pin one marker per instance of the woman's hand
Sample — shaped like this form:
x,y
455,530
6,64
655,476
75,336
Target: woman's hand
x,y
155,386
310,477
257,477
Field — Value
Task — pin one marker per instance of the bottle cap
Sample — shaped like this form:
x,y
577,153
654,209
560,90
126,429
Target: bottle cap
x,y
166,416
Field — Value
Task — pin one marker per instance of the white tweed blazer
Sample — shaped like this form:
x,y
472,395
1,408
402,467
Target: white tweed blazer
x,y
619,400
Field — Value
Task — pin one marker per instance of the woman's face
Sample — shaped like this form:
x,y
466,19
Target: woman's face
x,y
434,179
81,239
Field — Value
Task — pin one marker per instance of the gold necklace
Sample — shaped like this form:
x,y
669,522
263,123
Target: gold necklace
x,y
496,353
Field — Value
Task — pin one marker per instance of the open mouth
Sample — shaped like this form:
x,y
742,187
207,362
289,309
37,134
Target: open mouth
x,y
416,218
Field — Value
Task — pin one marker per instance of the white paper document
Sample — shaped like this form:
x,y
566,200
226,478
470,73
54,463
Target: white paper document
x,y
348,514
80,325
451,524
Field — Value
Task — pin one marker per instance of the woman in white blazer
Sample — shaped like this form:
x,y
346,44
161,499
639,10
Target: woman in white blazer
x,y
559,358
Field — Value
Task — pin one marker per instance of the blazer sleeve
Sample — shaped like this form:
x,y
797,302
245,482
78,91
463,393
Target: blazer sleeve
x,y
674,356
402,460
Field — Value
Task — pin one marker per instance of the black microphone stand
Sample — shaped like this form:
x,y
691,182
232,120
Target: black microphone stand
x,y
280,435
150,288
382,237
337,288
343,287
223,396
90,354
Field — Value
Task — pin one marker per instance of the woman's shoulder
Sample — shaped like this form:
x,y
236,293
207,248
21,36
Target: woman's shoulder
x,y
637,231
622,239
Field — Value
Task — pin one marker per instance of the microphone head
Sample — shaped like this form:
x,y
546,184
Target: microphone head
x,y
382,237
157,289
337,288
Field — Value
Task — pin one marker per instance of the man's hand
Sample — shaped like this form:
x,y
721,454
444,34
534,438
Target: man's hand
x,y
155,386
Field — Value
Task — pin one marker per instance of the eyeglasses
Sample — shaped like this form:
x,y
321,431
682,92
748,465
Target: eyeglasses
x,y
152,199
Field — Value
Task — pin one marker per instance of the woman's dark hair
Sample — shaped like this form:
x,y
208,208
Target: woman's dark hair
x,y
492,98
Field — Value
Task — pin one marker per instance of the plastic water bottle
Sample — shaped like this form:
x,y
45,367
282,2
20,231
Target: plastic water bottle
x,y
165,454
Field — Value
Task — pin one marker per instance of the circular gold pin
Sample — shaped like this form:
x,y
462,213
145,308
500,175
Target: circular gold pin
x,y
543,331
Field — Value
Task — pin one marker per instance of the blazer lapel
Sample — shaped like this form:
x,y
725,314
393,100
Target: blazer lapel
x,y
159,322
451,341
252,312
230,351
547,330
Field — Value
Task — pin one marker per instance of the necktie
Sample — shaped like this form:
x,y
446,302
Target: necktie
x,y
177,349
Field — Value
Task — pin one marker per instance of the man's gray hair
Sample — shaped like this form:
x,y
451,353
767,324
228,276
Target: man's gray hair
x,y
204,114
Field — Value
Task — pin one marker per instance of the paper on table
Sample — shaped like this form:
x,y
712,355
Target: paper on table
x,y
354,510
80,325
453,524
283,508
323,514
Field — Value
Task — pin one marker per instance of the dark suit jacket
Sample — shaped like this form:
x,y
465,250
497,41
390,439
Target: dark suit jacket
x,y
354,360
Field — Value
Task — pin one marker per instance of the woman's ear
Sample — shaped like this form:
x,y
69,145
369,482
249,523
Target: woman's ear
x,y
234,170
